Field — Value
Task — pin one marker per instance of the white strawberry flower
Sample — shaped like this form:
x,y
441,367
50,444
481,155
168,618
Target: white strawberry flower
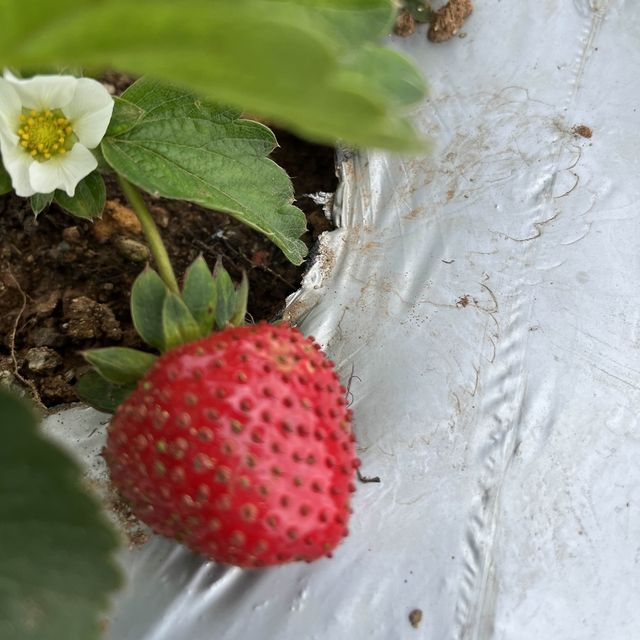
x,y
47,126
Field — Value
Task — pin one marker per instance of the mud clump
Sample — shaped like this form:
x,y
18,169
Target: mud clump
x,y
405,24
446,22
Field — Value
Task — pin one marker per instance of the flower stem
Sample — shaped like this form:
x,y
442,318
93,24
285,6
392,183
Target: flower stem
x,y
151,233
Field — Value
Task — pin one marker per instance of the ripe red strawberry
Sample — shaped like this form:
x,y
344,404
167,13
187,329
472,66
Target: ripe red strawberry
x,y
240,446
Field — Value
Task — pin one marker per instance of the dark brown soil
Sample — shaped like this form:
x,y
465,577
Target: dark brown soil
x,y
64,283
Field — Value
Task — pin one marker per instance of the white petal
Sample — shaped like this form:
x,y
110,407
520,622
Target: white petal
x,y
43,92
17,162
63,172
10,107
89,111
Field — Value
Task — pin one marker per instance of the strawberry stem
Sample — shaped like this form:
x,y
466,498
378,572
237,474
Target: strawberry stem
x,y
151,233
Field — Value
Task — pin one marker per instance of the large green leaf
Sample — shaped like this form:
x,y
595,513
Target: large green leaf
x,y
372,68
353,21
282,58
56,567
176,145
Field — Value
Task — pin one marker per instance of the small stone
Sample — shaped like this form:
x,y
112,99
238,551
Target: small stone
x,y
160,215
41,359
133,250
7,377
59,251
46,305
71,234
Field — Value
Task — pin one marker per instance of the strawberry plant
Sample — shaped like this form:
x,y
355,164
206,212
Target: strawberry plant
x,y
233,439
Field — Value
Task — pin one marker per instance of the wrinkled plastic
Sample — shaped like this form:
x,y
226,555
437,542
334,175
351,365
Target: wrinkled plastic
x,y
483,301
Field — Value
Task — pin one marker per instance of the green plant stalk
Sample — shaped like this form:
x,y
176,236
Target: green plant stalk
x,y
151,233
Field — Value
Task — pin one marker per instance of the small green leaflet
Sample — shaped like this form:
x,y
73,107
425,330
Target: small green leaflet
x,y
178,325
179,146
241,300
56,558
199,294
100,393
120,365
226,296
147,300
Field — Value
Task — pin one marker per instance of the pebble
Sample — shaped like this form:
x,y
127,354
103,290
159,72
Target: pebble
x,y
133,250
40,359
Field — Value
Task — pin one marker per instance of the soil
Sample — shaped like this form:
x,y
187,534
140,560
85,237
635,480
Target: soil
x,y
446,22
64,282
415,618
582,130
405,24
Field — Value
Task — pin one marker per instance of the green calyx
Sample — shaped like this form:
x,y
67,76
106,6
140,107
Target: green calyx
x,y
164,319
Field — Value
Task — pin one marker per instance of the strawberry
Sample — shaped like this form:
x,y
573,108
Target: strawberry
x,y
239,445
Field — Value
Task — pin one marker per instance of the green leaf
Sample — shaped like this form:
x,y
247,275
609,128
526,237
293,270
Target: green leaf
x,y
189,149
373,68
178,325
283,59
226,296
56,557
89,199
125,116
199,294
120,365
100,393
5,180
40,201
241,300
355,21
147,301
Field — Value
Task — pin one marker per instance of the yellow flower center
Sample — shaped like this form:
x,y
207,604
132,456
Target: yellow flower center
x,y
44,134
